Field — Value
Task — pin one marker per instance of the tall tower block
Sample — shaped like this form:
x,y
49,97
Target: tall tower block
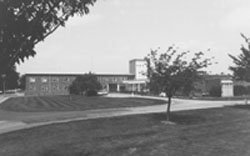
x,y
138,68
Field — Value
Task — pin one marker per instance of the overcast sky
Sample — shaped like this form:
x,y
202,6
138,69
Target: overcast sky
x,y
116,31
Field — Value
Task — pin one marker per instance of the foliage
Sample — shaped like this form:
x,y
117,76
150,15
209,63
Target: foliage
x,y
86,83
24,23
241,90
241,70
10,80
215,91
22,82
91,93
170,72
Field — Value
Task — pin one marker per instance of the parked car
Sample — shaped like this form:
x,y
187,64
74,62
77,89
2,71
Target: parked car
x,y
162,94
102,92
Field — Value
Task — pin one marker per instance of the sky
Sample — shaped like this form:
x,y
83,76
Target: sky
x,y
116,31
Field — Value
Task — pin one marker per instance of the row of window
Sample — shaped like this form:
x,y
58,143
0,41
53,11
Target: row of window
x,y
67,79
45,79
112,79
46,88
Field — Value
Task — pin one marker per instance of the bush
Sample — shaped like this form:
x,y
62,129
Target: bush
x,y
215,91
85,84
91,93
248,90
240,90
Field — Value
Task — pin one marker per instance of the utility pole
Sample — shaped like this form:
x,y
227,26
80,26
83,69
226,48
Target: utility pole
x,y
3,78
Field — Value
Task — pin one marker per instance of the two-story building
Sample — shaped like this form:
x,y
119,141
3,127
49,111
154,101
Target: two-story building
x,y
58,84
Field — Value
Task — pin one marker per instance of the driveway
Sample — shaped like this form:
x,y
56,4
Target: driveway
x,y
10,121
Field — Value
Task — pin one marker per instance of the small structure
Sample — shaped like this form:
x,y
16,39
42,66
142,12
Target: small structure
x,y
227,88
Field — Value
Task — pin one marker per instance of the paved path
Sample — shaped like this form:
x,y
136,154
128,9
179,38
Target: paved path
x,y
11,121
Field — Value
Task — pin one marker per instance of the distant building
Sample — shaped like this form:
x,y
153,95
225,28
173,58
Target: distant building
x,y
58,84
227,88
209,81
135,81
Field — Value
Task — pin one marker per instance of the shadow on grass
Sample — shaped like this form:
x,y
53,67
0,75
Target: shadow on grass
x,y
244,106
180,118
55,152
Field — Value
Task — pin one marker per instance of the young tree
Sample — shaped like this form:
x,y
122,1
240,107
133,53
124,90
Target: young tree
x,y
170,72
241,69
85,84
24,23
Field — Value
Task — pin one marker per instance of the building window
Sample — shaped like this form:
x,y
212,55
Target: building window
x,y
32,88
45,88
55,79
55,88
66,79
32,80
44,80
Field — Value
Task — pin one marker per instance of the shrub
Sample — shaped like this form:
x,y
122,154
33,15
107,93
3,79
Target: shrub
x,y
91,93
85,83
240,90
248,90
215,91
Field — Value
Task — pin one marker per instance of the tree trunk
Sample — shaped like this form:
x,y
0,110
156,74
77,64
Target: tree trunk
x,y
168,109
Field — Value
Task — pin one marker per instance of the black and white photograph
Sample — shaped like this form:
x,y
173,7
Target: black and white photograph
x,y
124,78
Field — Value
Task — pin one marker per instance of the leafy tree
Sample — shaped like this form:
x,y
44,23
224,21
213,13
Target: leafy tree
x,y
22,82
10,80
85,84
170,72
241,69
215,91
24,23
240,90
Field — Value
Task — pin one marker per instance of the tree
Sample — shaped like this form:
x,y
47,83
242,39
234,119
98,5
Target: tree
x,y
24,23
10,80
85,84
241,69
170,72
215,91
22,82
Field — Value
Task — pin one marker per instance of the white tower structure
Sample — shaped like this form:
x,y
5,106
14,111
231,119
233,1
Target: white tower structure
x,y
138,68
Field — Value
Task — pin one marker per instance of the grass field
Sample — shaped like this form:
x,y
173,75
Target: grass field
x,y
64,103
212,132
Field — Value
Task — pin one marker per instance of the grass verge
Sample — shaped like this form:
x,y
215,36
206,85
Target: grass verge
x,y
216,132
65,103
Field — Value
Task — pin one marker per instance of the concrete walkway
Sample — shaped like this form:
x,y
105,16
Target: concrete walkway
x,y
12,121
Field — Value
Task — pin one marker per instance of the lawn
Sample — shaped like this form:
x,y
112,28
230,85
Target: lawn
x,y
76,103
212,132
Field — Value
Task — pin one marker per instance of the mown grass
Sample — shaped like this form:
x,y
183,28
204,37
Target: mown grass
x,y
66,103
212,132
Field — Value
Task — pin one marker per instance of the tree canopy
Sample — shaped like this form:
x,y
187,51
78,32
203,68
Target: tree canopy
x,y
24,23
170,72
84,84
10,79
241,68
22,82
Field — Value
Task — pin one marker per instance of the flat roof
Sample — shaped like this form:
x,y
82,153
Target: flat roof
x,y
74,74
136,60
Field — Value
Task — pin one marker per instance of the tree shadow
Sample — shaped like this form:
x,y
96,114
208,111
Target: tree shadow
x,y
180,118
243,106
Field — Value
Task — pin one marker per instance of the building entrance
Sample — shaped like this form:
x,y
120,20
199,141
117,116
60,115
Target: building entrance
x,y
112,87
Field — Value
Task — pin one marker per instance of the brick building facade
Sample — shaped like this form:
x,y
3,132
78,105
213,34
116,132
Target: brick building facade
x,y
58,84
